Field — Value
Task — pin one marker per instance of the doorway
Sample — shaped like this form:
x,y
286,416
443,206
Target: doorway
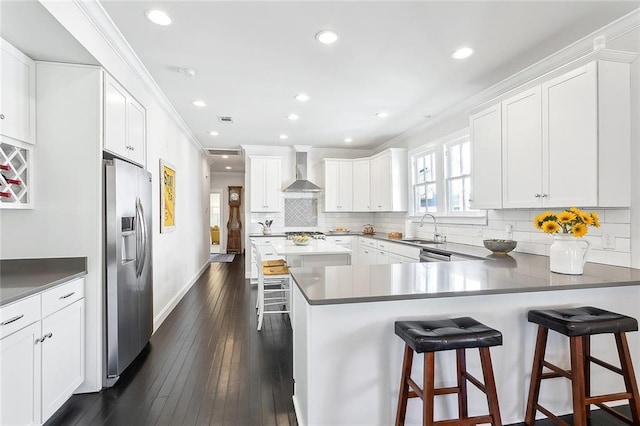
x,y
214,221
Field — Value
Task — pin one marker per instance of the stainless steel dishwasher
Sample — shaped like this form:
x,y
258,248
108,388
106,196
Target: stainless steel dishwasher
x,y
432,255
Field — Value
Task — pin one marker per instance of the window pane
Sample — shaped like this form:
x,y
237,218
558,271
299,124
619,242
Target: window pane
x,y
420,198
454,160
420,174
466,158
467,193
432,199
430,163
456,195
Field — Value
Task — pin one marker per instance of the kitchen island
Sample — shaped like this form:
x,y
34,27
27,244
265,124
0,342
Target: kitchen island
x,y
347,359
315,253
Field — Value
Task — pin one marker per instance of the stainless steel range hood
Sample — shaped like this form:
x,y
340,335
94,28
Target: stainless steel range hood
x,y
301,183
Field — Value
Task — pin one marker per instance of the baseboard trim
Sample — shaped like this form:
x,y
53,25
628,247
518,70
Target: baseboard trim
x,y
164,313
296,408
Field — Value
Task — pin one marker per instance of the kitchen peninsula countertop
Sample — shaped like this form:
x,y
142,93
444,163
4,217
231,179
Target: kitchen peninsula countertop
x,y
20,278
498,274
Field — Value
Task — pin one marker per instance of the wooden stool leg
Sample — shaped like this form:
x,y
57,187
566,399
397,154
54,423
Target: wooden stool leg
x,y
577,380
586,350
428,389
490,386
536,375
629,376
461,362
407,363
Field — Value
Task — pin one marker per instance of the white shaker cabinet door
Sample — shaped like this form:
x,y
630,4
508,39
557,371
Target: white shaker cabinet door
x,y
136,131
361,185
115,117
570,139
381,183
62,356
486,158
522,150
20,377
17,103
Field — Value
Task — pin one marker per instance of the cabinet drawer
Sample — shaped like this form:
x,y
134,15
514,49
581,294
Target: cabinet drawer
x,y
61,296
15,316
370,243
404,250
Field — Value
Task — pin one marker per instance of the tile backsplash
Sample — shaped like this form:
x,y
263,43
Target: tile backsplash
x,y
530,240
301,212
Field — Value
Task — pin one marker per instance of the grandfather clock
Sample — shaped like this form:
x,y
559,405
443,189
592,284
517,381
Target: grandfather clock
x,y
234,225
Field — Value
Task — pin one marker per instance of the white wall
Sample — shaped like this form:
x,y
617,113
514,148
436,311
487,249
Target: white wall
x,y
179,257
221,182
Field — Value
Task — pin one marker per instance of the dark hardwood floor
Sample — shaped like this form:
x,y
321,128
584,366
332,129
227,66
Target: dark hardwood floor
x,y
206,364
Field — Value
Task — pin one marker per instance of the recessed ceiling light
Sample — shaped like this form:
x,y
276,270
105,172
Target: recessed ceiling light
x,y
225,156
302,97
293,116
214,133
158,17
348,140
462,53
228,167
284,137
199,104
382,114
327,37
187,72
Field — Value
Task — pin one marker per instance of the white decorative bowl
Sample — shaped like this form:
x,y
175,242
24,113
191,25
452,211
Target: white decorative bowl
x,y
303,243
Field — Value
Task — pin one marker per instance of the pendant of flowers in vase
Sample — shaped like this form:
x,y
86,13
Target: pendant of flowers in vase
x,y
567,254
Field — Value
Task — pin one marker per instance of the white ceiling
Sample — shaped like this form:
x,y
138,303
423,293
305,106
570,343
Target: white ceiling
x,y
251,58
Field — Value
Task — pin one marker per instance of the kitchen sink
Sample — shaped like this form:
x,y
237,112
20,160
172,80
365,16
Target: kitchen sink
x,y
420,241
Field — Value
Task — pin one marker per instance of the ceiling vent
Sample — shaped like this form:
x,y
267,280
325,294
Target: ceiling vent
x,y
225,119
229,152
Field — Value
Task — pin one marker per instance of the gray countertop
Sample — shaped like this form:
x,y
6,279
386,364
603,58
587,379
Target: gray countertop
x,y
20,278
513,273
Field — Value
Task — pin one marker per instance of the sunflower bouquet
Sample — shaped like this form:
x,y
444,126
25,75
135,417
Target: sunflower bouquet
x,y
571,221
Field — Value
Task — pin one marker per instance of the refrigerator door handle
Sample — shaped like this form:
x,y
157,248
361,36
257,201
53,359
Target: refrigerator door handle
x,y
144,237
139,239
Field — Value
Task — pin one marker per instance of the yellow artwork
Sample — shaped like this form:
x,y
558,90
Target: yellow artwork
x,y
168,196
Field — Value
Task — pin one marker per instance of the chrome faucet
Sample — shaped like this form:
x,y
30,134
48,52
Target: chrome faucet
x,y
436,235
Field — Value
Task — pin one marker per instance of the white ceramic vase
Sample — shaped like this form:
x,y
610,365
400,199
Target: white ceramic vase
x,y
568,254
266,231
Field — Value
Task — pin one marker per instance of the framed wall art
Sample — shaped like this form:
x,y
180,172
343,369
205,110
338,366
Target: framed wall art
x,y
167,196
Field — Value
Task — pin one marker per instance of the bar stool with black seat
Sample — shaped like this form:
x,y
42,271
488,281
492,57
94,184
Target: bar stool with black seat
x,y
579,324
431,336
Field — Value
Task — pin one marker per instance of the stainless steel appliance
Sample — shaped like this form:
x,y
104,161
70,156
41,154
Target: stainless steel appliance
x,y
432,255
128,277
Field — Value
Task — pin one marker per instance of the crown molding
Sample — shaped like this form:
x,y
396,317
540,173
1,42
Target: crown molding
x,y
102,22
580,50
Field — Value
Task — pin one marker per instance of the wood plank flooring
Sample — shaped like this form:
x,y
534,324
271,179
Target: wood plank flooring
x,y
207,365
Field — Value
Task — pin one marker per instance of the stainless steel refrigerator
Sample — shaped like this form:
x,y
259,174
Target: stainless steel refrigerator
x,y
128,276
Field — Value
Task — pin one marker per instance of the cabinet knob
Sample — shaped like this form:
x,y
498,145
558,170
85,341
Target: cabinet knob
x,y
543,195
538,195
1,116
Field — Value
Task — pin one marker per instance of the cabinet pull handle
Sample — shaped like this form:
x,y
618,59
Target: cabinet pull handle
x,y
14,319
1,116
543,195
538,195
48,336
68,295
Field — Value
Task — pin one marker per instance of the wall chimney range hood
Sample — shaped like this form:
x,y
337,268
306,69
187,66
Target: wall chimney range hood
x,y
301,183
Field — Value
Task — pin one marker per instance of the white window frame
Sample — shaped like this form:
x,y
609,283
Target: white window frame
x,y
439,146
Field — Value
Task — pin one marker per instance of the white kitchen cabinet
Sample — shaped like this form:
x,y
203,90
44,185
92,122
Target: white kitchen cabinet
x,y
361,185
20,376
338,185
42,353
522,149
389,181
396,258
60,379
485,128
266,183
18,100
566,142
124,123
376,251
